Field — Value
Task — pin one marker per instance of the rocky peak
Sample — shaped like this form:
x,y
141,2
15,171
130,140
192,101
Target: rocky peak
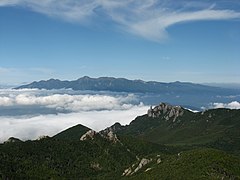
x,y
109,133
166,110
114,128
12,140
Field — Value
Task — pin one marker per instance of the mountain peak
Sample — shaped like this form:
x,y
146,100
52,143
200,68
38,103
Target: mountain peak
x,y
73,133
13,140
166,110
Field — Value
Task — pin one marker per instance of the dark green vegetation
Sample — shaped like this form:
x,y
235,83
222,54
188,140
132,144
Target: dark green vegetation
x,y
216,128
194,164
60,157
168,143
74,133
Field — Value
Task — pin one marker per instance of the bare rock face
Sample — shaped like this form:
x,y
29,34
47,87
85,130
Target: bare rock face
x,y
88,135
159,161
114,128
166,110
142,163
127,172
133,169
109,133
112,137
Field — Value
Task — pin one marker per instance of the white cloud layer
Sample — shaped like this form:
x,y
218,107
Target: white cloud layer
x,y
32,127
145,18
96,111
67,102
231,105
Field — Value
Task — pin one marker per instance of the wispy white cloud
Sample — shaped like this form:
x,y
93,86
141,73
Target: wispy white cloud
x,y
146,18
231,105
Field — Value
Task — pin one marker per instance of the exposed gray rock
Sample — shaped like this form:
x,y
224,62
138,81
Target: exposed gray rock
x,y
148,169
142,163
88,135
127,172
114,128
159,161
112,137
166,110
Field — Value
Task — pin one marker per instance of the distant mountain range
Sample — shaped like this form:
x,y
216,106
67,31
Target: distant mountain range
x,y
183,93
169,142
122,85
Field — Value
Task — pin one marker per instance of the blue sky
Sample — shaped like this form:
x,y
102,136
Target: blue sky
x,y
137,39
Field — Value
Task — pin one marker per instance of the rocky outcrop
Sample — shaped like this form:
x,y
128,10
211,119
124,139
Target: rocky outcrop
x,y
127,172
110,132
142,163
165,110
114,128
13,140
42,137
109,135
159,161
96,166
112,137
88,135
133,169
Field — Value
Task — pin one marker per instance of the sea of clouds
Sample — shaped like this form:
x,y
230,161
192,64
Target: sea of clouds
x,y
30,113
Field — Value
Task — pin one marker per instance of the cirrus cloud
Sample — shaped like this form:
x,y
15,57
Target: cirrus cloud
x,y
148,19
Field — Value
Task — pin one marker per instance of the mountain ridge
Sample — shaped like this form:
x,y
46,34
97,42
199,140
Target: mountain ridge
x,y
118,85
174,125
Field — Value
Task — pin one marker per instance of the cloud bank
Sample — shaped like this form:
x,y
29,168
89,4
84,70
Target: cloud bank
x,y
148,19
32,127
67,102
96,111
231,105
